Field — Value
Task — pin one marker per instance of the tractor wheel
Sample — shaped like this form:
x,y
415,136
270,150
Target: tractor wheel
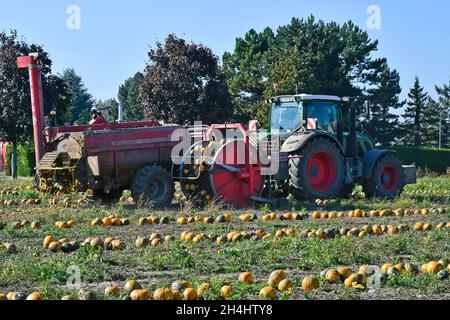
x,y
346,191
319,171
153,185
387,180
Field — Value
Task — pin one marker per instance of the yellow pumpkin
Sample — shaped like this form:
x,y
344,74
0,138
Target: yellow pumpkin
x,y
202,288
190,294
112,290
246,277
315,215
48,240
227,291
130,286
140,294
55,246
434,267
268,293
333,275
310,283
285,285
35,296
3,297
345,273
159,294
385,267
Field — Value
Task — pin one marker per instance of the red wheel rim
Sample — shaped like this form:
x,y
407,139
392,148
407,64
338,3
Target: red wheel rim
x,y
389,178
321,171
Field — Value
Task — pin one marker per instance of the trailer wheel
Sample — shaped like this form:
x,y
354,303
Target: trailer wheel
x,y
154,185
387,180
319,172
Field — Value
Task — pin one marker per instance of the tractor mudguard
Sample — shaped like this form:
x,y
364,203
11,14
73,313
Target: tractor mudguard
x,y
369,160
300,139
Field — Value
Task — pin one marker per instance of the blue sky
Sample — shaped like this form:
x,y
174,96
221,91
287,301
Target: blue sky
x,y
115,35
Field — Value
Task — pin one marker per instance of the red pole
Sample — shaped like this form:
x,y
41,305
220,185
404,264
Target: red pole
x,y
37,101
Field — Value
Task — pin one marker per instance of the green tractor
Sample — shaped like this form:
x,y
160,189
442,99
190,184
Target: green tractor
x,y
326,158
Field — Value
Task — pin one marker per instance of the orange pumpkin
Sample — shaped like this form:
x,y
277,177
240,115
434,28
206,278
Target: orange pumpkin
x,y
246,277
285,285
310,283
268,293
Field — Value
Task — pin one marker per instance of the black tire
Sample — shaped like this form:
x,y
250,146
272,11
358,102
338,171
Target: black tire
x,y
302,184
153,185
387,180
346,191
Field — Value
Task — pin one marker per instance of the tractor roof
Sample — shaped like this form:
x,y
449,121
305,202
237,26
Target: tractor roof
x,y
306,97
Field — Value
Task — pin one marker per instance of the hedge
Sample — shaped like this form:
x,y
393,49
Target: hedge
x,y
25,160
426,158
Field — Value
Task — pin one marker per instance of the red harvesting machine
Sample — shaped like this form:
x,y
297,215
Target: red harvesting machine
x,y
101,156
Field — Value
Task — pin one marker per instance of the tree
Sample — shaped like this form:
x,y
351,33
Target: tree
x,y
383,126
443,108
82,103
109,109
413,115
15,100
183,83
430,122
129,98
308,55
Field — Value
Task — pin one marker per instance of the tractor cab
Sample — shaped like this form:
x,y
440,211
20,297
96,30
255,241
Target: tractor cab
x,y
327,157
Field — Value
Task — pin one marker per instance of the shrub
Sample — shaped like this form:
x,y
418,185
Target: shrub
x,y
426,159
25,159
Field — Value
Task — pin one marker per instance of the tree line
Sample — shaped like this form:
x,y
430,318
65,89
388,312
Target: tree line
x,y
184,82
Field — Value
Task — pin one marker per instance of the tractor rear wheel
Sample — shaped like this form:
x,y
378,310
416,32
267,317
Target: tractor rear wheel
x,y
387,180
318,172
153,185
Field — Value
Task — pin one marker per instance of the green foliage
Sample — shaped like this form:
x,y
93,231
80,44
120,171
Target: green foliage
x,y
426,158
306,56
183,83
129,98
109,109
26,159
80,108
414,116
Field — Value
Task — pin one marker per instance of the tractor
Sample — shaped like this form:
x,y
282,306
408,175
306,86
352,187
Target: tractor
x,y
317,157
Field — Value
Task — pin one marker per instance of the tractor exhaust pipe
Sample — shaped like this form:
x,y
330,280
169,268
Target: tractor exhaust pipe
x,y
37,100
352,147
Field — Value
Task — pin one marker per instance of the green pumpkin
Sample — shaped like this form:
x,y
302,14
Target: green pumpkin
x,y
443,274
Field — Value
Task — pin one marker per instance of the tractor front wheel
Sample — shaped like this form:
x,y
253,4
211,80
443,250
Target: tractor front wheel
x,y
153,186
387,179
318,172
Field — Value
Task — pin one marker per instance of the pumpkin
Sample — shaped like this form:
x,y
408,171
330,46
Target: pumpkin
x,y
315,215
160,294
96,222
427,227
17,225
445,262
35,225
268,293
96,243
393,230
9,295
226,291
333,275
112,290
202,288
345,273
35,296
411,268
19,296
324,215
400,267
180,286
3,297
434,267
55,246
130,286
385,267
425,212
443,274
140,294
10,247
221,240
246,277
358,213
341,214
190,294
310,283
285,285
141,242
156,242
280,234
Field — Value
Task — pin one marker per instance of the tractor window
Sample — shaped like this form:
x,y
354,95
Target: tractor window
x,y
286,117
326,114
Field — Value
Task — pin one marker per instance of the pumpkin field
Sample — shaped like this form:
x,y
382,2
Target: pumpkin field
x,y
77,247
